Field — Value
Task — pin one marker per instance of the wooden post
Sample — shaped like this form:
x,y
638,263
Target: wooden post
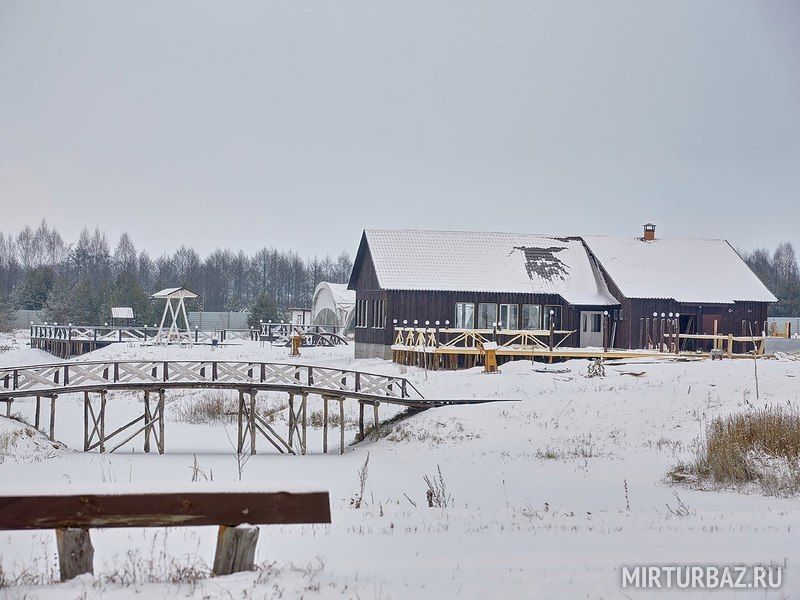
x,y
8,407
75,552
38,410
324,424
377,420
102,421
360,420
236,549
341,425
304,422
240,443
53,417
85,420
291,419
161,421
730,345
147,419
252,423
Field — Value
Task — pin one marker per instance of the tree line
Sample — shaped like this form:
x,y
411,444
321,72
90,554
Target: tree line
x,y
79,282
779,272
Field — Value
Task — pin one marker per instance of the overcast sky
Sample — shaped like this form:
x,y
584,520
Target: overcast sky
x,y
297,124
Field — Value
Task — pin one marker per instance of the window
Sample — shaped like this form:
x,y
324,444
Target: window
x,y
597,323
556,316
361,313
531,316
487,315
465,315
377,314
509,316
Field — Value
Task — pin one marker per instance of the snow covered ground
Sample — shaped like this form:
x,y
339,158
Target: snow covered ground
x,y
551,495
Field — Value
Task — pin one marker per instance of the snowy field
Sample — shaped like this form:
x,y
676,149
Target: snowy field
x,y
551,495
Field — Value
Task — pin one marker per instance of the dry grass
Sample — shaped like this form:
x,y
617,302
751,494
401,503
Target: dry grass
x,y
762,447
209,407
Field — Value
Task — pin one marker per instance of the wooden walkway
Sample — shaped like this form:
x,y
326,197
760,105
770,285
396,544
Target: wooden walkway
x,y
95,379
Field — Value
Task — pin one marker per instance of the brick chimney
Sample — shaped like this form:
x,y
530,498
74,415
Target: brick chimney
x,y
649,232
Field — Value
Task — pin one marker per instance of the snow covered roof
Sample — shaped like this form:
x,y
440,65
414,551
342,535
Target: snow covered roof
x,y
687,270
340,295
121,312
175,292
471,261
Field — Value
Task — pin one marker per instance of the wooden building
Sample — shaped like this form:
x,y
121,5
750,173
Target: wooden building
x,y
479,280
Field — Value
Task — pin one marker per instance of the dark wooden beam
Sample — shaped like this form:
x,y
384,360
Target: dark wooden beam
x,y
163,510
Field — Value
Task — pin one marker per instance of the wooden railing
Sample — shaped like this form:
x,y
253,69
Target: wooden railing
x,y
429,339
110,334
67,377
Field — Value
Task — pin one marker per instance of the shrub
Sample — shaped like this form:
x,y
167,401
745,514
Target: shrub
x,y
760,447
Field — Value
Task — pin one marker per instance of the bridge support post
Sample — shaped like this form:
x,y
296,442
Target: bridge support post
x,y
324,424
305,423
38,411
147,419
53,417
341,425
375,406
292,424
252,421
240,439
8,407
360,421
161,421
102,421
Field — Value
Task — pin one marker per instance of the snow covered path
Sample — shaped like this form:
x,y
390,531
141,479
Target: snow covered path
x,y
539,503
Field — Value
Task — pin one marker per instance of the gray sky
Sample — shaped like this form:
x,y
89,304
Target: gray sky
x,y
296,124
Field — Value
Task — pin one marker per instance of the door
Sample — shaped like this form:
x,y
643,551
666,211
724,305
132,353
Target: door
x,y
591,329
709,328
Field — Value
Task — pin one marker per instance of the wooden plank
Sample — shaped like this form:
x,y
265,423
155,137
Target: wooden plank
x,y
163,510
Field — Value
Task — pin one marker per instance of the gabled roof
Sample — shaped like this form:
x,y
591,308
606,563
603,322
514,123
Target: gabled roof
x,y
686,270
174,292
470,261
121,312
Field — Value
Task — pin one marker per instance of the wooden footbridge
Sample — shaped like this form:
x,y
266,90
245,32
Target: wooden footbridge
x,y
94,379
66,341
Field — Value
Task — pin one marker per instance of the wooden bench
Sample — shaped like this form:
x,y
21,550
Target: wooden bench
x,y
235,512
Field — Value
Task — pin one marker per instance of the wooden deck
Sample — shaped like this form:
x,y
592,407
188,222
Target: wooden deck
x,y
439,348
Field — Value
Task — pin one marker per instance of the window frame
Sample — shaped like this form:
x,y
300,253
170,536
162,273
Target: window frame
x,y
489,321
506,322
456,320
540,312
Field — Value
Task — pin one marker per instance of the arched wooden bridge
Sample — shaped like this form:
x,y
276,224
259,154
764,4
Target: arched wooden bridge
x,y
96,378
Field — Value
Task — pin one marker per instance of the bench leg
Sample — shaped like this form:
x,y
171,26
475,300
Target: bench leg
x,y
75,552
236,549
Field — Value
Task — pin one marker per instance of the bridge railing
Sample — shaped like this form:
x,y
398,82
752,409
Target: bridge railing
x,y
109,334
62,377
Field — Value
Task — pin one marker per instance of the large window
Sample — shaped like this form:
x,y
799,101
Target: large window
x,y
465,315
531,316
556,310
361,313
487,315
509,316
377,314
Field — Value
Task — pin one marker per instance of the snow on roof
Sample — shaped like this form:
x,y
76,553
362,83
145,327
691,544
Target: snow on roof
x,y
121,312
468,261
175,292
339,293
687,270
